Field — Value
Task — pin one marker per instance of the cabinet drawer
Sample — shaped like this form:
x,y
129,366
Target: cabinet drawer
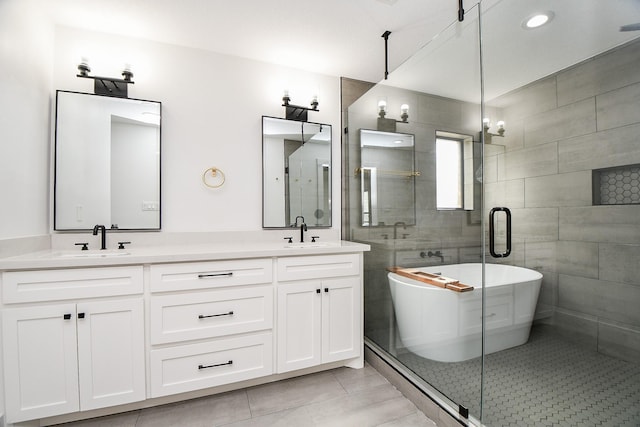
x,y
210,314
315,267
204,275
197,366
50,285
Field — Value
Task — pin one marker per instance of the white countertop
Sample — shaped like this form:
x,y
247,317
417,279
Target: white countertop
x,y
172,253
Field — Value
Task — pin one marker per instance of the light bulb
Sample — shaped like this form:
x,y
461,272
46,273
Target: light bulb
x,y
404,112
537,20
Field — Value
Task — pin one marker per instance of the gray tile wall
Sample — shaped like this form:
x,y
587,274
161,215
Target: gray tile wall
x,y
450,232
558,130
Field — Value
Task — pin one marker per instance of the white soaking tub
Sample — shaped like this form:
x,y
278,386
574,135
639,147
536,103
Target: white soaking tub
x,y
446,326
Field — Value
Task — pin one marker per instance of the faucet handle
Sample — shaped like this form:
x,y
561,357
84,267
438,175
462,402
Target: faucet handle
x,y
290,239
121,244
313,238
85,246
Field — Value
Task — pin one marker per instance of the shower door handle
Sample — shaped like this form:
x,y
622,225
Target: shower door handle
x,y
492,248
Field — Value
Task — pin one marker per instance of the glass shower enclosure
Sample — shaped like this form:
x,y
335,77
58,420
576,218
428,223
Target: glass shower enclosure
x,y
495,175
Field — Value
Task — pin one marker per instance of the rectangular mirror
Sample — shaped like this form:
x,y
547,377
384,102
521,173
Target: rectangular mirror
x,y
296,173
107,162
387,175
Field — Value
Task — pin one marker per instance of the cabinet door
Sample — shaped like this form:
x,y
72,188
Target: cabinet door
x,y
341,331
111,353
40,361
298,327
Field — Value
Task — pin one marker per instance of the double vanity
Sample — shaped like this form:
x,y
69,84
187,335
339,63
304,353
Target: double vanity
x,y
137,327
88,332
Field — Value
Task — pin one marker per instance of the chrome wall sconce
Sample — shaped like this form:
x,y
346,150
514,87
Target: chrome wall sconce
x,y
298,112
108,86
486,125
389,125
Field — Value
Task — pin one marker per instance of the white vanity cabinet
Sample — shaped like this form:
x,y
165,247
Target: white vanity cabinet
x,y
93,333
319,310
75,354
211,324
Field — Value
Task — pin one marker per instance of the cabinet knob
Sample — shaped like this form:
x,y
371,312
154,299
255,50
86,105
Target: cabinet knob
x,y
67,316
80,315
317,291
326,289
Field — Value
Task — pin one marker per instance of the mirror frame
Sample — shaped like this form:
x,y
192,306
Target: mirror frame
x,y
329,201
55,154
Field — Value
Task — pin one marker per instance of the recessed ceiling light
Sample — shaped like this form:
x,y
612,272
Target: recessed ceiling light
x,y
537,20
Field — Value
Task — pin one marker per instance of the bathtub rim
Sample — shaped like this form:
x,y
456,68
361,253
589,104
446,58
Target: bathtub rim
x,y
535,276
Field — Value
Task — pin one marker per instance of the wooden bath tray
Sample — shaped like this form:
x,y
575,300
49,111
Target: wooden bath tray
x,y
431,279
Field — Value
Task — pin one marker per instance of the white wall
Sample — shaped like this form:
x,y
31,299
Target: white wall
x,y
212,107
25,89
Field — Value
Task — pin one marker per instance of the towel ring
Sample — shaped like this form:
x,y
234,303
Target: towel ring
x,y
214,173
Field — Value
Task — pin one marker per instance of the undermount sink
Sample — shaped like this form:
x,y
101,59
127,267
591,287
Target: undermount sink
x,y
92,254
310,245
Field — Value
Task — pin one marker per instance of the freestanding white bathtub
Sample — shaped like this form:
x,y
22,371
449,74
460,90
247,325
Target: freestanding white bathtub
x,y
446,326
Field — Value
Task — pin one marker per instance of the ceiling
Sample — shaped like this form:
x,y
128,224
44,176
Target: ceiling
x,y
512,55
343,37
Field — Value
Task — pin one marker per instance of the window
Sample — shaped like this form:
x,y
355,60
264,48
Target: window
x,y
454,171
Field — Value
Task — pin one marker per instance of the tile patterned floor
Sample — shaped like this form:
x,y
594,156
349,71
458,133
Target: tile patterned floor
x,y
341,397
546,382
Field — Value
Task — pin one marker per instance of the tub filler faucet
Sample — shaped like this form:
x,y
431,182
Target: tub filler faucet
x,y
432,254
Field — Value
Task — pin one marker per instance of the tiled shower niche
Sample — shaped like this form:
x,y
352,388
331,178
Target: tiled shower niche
x,y
617,186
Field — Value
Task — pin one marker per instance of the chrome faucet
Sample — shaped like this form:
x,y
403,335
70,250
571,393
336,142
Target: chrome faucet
x,y
395,228
303,227
103,239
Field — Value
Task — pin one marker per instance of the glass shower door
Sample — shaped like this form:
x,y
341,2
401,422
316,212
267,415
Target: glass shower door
x,y
565,162
432,330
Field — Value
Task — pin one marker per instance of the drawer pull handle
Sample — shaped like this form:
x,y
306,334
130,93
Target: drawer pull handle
x,y
230,362
67,316
203,316
206,276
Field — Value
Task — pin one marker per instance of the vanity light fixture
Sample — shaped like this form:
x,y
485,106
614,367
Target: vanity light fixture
x,y
486,125
116,87
389,125
298,112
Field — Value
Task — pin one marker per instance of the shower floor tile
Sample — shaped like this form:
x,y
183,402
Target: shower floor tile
x,y
546,382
